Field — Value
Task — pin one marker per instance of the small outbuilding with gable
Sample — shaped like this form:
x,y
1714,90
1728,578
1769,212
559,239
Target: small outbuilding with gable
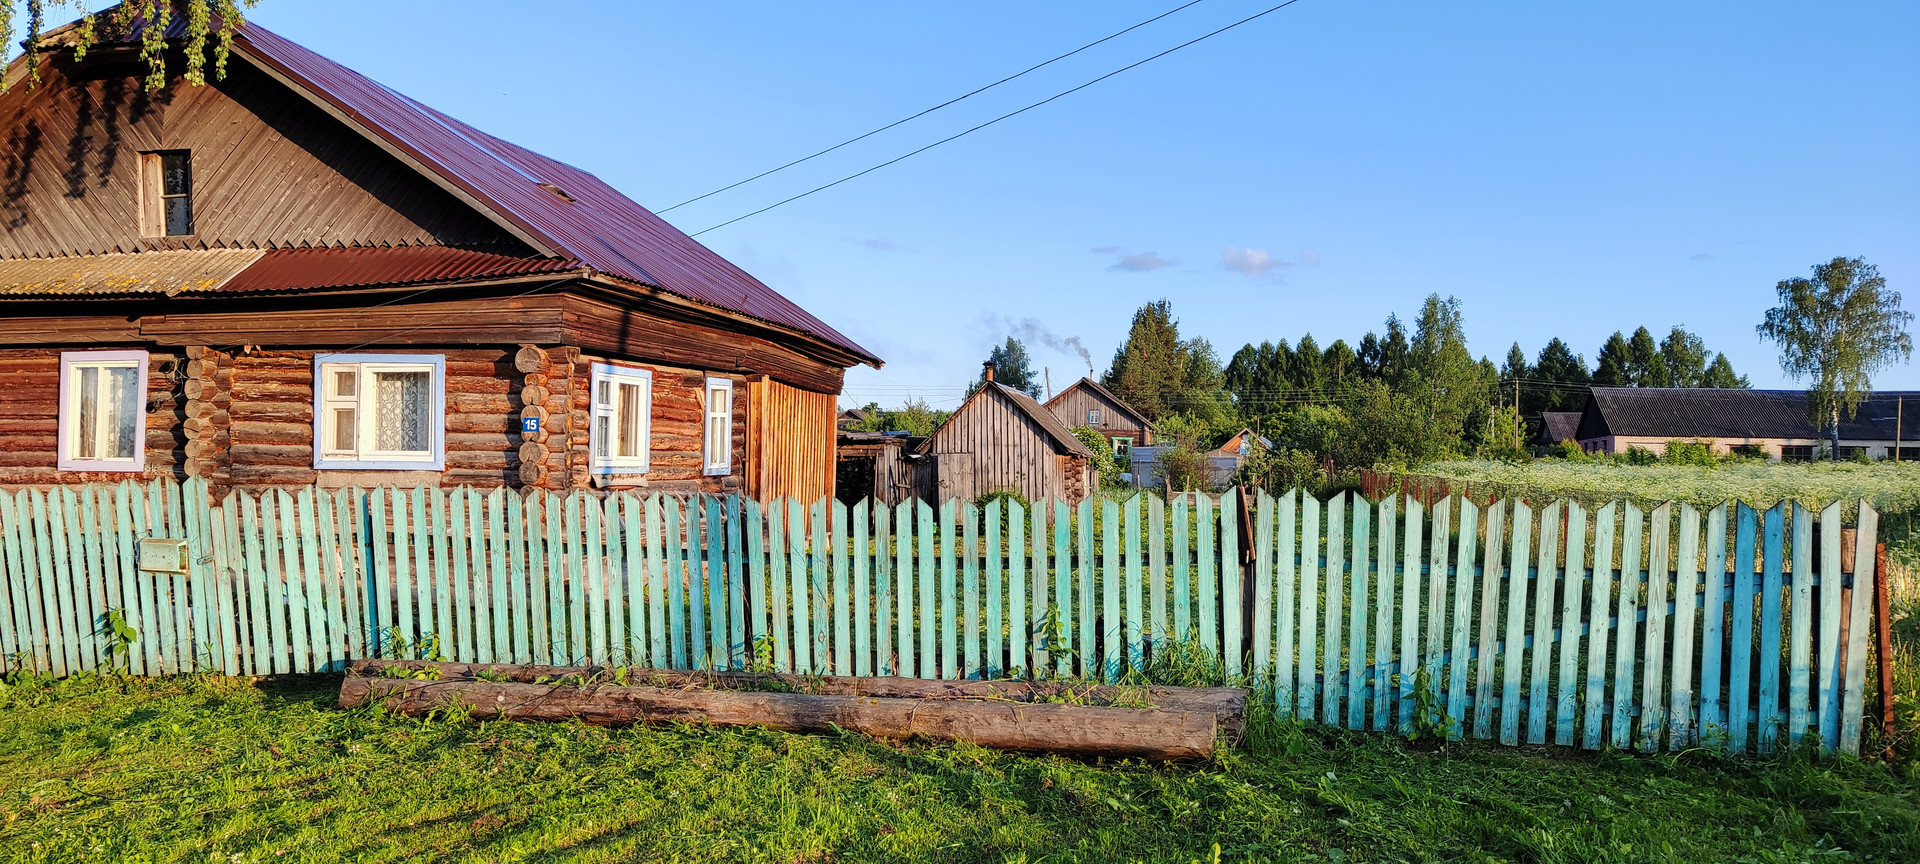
x,y
1002,440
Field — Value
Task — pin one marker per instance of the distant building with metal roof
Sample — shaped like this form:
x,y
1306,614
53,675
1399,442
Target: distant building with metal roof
x,y
1772,423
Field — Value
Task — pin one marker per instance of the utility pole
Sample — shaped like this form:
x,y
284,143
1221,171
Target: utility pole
x,y
1899,417
1047,373
1516,410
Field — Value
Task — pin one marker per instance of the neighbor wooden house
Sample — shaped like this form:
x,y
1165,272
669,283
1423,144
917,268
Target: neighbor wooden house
x,y
1002,440
1770,423
295,275
1086,403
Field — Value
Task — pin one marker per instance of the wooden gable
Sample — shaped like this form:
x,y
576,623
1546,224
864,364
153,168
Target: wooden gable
x,y
1117,418
269,169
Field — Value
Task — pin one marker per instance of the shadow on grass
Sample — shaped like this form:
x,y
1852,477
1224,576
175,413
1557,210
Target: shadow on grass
x,y
318,691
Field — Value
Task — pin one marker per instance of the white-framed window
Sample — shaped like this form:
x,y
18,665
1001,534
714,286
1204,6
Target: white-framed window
x,y
719,427
622,419
380,412
1093,416
166,193
103,411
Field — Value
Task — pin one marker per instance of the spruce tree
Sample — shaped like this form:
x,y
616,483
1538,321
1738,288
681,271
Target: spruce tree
x,y
1613,363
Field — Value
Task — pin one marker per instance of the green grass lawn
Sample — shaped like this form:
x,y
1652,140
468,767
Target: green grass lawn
x,y
231,770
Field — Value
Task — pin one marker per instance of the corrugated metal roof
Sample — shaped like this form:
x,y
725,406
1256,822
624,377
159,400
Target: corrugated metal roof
x,y
1677,412
1558,426
599,226
297,269
168,272
593,222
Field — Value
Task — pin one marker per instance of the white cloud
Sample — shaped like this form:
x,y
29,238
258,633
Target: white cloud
x,y
1309,258
1253,263
1140,262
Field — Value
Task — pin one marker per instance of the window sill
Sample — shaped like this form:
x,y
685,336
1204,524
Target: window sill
x,y
378,465
114,466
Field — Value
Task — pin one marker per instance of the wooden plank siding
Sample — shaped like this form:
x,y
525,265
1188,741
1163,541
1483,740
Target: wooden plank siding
x,y
268,171
1116,419
791,441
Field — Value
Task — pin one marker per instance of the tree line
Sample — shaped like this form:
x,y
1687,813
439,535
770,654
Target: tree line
x,y
1415,394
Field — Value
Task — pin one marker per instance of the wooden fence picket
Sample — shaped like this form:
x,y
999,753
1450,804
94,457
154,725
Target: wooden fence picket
x,y
1799,675
1462,614
968,618
1307,682
1593,720
1286,566
1618,626
1740,631
1573,582
1768,719
1331,706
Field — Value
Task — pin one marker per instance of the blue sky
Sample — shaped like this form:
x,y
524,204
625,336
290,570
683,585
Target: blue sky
x,y
1564,169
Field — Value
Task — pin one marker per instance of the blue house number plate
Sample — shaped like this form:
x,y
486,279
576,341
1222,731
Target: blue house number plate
x,y
529,425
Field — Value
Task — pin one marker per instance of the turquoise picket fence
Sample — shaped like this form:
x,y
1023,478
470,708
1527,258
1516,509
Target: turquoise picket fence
x,y
1653,628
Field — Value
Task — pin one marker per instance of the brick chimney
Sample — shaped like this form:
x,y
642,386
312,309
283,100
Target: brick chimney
x,y
987,370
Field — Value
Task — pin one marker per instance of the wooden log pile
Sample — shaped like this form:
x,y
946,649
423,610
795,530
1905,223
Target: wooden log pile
x,y
1161,723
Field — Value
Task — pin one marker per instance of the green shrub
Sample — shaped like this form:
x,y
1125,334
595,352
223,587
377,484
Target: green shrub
x,y
1104,459
1696,453
1570,450
1638,455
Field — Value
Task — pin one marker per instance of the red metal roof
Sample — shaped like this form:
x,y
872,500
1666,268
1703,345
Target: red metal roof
x,y
600,227
356,266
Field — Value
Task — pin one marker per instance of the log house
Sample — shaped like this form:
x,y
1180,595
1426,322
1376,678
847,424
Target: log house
x,y
294,275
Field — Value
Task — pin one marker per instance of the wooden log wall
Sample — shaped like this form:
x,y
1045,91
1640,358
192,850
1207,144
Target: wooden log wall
x,y
272,421
30,412
677,433
207,426
244,419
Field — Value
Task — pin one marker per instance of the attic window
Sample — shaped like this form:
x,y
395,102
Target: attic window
x,y
557,191
166,193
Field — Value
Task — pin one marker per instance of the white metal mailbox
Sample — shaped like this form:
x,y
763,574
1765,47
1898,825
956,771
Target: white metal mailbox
x,y
164,555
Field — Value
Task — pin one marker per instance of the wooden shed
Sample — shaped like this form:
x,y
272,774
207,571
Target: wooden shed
x,y
1086,403
882,466
294,275
1001,440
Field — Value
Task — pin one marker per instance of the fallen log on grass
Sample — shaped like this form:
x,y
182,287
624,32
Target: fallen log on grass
x,y
1079,730
1228,705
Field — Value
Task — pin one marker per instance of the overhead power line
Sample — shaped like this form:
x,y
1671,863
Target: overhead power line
x,y
910,154
924,113
1010,114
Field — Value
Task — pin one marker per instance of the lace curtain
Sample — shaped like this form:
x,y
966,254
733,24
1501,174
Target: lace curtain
x,y
400,411
123,411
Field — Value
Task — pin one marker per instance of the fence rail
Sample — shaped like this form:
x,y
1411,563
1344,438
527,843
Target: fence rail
x,y
1654,629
